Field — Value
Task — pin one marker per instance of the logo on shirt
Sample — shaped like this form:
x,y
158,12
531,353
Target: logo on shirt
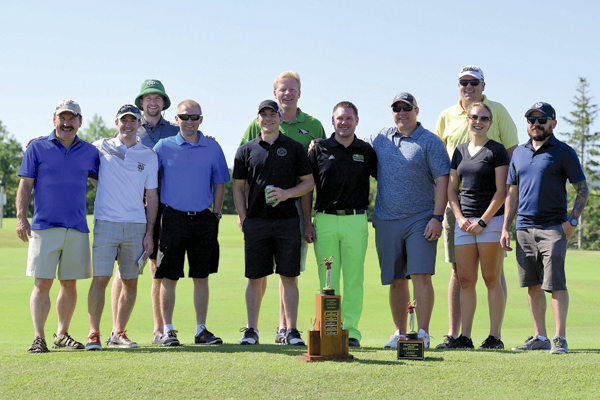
x,y
141,167
281,152
331,157
358,157
303,131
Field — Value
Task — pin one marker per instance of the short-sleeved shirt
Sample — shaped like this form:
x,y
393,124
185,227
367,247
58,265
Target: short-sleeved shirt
x,y
407,167
303,130
189,171
541,177
342,174
150,135
279,164
60,184
124,173
477,175
453,129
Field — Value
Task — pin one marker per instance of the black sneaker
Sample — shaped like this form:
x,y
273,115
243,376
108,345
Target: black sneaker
x,y
492,343
250,336
462,342
353,342
447,343
293,338
170,339
206,337
65,341
38,346
280,336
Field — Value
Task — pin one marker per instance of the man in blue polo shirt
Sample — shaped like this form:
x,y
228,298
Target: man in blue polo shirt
x,y
57,166
537,177
194,171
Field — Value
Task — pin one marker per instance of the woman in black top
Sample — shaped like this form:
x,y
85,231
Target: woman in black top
x,y
478,173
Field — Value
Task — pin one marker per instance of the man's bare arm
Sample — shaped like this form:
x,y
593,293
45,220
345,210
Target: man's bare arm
x,y
23,198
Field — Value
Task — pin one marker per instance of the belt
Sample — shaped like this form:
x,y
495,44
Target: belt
x,y
190,213
344,212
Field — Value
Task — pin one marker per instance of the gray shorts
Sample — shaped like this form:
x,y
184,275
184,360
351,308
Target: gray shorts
x,y
541,257
491,233
69,249
402,249
120,240
448,227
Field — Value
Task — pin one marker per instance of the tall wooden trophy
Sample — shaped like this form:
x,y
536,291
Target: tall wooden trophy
x,y
329,340
411,347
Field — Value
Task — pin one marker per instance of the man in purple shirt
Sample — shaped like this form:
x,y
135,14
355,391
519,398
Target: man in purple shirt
x,y
57,166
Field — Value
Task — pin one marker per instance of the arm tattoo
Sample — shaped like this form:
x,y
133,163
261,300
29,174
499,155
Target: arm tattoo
x,y
583,192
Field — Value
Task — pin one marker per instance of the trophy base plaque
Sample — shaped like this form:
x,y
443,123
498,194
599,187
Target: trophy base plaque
x,y
411,349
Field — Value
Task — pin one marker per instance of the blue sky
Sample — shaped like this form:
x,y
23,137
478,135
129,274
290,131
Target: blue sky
x,y
226,54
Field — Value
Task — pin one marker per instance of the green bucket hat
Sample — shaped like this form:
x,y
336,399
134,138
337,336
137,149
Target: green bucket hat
x,y
151,86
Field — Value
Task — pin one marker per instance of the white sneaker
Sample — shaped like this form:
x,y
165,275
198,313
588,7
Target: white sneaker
x,y
425,336
393,343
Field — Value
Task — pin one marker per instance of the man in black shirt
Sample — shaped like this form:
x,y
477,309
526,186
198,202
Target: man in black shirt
x,y
341,168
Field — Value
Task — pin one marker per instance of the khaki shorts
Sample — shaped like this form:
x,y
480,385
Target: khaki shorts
x,y
69,249
120,240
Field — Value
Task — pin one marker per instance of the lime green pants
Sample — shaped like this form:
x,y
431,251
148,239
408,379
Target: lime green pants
x,y
345,238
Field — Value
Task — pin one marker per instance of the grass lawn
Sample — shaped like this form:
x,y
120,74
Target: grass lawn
x,y
269,371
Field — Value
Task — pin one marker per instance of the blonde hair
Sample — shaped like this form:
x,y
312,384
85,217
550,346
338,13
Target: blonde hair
x,y
481,105
286,75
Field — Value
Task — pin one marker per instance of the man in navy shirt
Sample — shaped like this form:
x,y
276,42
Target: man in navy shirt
x,y
57,167
537,178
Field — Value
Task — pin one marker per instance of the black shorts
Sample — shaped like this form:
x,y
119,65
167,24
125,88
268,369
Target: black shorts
x,y
266,239
196,235
161,208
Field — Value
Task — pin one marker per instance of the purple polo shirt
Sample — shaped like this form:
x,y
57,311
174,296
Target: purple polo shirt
x,y
189,171
60,181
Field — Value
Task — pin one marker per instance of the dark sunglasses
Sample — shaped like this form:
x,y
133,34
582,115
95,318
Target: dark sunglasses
x,y
398,108
482,118
128,109
540,120
185,117
466,82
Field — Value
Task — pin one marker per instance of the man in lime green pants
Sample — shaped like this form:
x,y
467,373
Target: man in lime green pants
x,y
341,167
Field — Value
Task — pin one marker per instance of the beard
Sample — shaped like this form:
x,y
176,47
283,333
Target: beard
x,y
537,136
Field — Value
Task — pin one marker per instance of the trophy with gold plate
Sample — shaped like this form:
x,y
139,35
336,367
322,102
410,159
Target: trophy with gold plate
x,y
411,347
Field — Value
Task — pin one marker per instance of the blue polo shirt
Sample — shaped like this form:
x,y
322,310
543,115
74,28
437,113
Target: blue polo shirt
x,y
189,171
541,178
60,184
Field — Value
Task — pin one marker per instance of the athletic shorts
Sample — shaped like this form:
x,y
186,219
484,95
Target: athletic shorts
x,y
541,257
195,235
402,249
268,240
122,240
67,249
491,233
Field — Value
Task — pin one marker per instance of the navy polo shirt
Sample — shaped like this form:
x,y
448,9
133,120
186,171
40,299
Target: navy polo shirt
x,y
262,164
342,174
60,184
541,178
189,171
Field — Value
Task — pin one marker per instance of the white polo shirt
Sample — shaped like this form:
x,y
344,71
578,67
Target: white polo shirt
x,y
124,173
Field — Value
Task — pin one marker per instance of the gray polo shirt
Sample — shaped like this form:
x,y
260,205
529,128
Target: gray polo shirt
x,y
407,167
150,135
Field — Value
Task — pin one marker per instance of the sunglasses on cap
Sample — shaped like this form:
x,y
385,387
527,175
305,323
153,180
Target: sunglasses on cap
x,y
397,108
129,109
185,117
482,118
540,120
465,82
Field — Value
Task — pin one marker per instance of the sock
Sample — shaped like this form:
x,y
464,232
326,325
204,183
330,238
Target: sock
x,y
200,328
544,338
167,328
282,327
397,332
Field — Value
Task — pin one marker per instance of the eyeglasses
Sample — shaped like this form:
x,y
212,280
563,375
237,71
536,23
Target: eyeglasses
x,y
128,109
482,118
465,82
540,120
398,108
185,117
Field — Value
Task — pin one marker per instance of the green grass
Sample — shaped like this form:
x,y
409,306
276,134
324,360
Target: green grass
x,y
269,371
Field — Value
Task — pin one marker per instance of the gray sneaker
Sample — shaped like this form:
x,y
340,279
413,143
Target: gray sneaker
x,y
534,343
280,336
170,339
121,341
559,345
158,339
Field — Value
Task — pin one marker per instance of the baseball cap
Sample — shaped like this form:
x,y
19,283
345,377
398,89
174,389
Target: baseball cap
x,y
406,98
151,86
129,109
545,108
471,70
269,104
67,105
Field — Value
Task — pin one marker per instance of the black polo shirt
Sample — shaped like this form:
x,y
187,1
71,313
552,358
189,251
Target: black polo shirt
x,y
342,174
262,164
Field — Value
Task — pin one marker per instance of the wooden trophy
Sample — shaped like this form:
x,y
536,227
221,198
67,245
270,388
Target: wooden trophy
x,y
411,347
329,341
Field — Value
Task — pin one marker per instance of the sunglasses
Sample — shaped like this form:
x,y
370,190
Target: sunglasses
x,y
540,120
465,82
482,118
398,108
185,117
127,109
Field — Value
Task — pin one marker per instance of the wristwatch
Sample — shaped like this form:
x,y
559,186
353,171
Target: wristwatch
x,y
574,221
218,215
482,223
438,217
